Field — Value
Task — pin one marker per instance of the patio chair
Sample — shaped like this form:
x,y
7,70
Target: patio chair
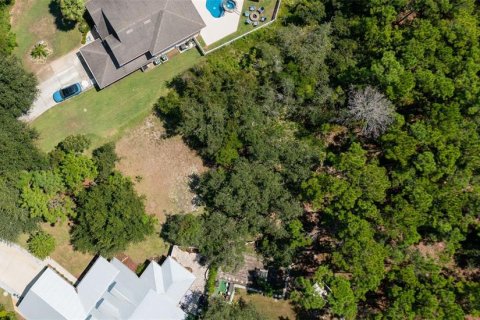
x,y
248,21
263,19
255,23
261,10
252,8
246,14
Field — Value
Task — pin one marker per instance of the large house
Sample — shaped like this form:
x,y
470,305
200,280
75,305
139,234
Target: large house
x,y
132,33
110,290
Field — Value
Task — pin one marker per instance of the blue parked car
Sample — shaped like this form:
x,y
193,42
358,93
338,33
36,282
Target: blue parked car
x,y
67,92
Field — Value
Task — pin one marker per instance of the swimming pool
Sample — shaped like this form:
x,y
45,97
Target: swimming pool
x,y
217,7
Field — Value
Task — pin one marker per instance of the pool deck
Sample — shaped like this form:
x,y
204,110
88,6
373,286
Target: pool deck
x,y
218,28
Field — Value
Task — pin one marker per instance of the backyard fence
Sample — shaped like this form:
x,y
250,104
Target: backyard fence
x,y
274,17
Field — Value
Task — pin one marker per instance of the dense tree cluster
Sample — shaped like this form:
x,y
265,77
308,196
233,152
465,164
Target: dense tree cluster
x,y
110,216
16,145
347,132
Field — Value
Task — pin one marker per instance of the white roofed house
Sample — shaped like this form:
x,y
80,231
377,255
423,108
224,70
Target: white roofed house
x,y
110,290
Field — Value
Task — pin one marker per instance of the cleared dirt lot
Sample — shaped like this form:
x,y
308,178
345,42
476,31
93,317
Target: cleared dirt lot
x,y
161,168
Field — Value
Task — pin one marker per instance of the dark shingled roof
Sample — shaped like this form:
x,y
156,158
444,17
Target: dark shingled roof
x,y
131,30
102,66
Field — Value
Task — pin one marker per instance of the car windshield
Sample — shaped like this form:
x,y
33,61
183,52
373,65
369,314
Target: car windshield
x,y
68,91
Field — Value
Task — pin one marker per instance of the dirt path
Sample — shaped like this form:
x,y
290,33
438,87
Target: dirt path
x,y
17,9
161,168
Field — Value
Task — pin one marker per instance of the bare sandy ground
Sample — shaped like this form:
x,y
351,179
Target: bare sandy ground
x,y
160,167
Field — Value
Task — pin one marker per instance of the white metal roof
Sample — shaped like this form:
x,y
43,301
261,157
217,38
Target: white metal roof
x,y
110,291
96,282
51,297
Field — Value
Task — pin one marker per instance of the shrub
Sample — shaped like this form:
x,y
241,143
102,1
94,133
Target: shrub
x,y
39,51
212,276
41,244
72,10
83,27
105,159
74,143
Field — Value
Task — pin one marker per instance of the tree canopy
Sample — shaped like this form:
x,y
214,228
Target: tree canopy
x,y
346,137
17,87
110,216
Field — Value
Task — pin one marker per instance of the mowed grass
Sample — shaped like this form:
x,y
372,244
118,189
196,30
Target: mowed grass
x,y
64,254
152,247
106,114
35,20
270,308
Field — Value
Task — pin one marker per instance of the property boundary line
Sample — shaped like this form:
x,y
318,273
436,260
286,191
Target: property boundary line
x,y
274,18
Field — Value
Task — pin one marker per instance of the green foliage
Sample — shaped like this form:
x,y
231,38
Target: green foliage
x,y
77,171
43,194
7,37
110,216
17,87
13,218
74,144
229,152
17,92
183,229
39,51
6,315
223,241
41,244
219,309
306,295
283,245
264,120
361,255
219,238
418,289
83,27
247,192
342,298
105,159
72,10
211,280
16,146
326,289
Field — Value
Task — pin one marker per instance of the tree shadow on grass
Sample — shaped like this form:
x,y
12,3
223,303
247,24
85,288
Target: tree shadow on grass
x,y
60,23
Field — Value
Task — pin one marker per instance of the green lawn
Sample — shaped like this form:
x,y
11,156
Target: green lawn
x,y
270,308
35,20
105,115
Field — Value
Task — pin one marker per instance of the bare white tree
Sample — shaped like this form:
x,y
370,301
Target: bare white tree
x,y
370,108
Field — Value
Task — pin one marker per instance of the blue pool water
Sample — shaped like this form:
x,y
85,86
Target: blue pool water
x,y
215,8
230,5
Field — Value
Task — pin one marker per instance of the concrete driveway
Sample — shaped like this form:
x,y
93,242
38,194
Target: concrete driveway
x,y
55,75
18,268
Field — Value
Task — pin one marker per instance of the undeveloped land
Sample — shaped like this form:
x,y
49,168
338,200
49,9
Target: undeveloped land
x,y
160,167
